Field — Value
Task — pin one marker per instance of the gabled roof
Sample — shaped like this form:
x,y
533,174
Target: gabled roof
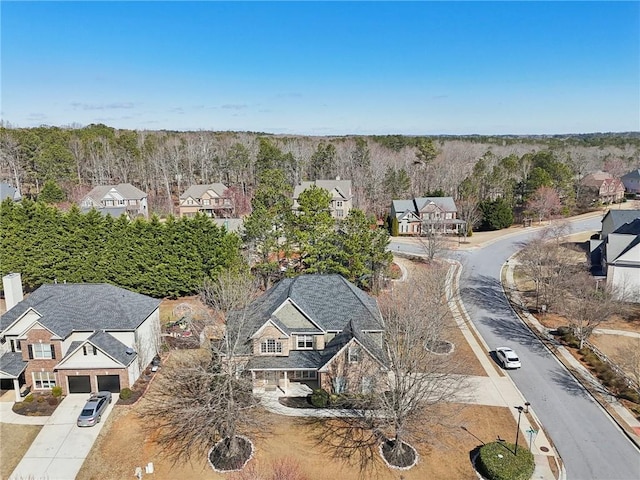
x,y
196,191
72,307
444,203
127,191
12,365
9,191
620,217
630,255
340,341
330,301
632,174
338,188
112,347
630,228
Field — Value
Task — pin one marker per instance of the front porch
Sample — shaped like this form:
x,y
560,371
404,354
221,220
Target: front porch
x,y
288,382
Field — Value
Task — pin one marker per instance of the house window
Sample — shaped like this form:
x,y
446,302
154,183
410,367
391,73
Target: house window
x,y
304,375
305,342
43,380
41,350
206,202
367,385
338,204
86,349
15,345
270,345
189,201
354,354
108,203
340,213
133,202
121,202
339,384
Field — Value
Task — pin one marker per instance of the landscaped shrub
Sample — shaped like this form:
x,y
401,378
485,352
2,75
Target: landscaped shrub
x,y
125,393
52,400
496,461
319,398
29,398
56,391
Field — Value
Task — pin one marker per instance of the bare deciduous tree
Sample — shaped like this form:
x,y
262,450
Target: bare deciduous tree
x,y
202,397
421,375
544,203
586,305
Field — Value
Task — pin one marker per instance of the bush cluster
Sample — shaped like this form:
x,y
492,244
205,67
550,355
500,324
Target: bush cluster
x,y
125,393
319,398
56,391
615,383
496,461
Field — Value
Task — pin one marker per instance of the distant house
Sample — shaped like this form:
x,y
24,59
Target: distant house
x,y
341,195
604,187
9,191
631,181
81,337
419,216
116,200
310,329
212,200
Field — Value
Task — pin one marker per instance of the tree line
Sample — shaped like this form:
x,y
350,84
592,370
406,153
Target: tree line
x,y
160,259
165,163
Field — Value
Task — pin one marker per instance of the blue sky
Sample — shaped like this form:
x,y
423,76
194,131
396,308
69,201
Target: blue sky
x,y
331,68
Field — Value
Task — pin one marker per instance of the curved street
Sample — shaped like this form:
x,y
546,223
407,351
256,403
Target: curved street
x,y
591,445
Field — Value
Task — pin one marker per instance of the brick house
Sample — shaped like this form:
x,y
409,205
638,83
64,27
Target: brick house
x,y
603,187
81,337
320,330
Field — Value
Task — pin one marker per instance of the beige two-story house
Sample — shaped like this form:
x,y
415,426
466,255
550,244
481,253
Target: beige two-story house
x,y
213,200
116,200
341,195
423,215
81,337
320,330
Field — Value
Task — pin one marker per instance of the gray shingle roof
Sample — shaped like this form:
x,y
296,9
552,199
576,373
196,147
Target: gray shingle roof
x,y
630,228
12,365
620,217
343,188
344,337
297,360
127,191
84,307
196,191
9,191
113,347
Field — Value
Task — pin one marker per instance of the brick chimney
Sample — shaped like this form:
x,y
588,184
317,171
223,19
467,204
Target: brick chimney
x,y
12,285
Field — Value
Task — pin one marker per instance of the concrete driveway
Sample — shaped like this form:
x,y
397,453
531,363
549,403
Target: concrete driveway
x,y
60,448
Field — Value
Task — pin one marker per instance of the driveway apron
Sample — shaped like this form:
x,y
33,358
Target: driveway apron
x,y
61,447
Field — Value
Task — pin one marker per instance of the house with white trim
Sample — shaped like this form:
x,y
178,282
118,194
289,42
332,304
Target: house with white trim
x,y
81,337
422,215
340,191
116,200
320,330
213,200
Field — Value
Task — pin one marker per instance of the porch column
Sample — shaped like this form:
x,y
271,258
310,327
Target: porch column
x,y
286,382
16,389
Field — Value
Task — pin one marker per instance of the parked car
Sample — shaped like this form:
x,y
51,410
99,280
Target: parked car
x,y
508,358
93,409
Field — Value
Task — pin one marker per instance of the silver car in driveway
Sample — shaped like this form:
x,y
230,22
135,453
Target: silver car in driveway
x,y
508,358
93,409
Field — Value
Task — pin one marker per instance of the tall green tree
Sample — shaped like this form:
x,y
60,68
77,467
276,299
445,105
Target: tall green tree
x,y
52,193
322,164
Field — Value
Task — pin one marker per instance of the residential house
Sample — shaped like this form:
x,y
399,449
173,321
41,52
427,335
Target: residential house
x,y
341,195
213,200
631,181
81,337
117,199
616,254
603,187
9,191
320,330
420,216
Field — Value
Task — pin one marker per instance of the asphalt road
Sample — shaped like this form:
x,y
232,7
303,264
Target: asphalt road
x,y
591,445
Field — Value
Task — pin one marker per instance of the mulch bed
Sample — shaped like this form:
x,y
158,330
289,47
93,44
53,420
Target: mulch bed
x,y
42,405
407,459
296,402
222,463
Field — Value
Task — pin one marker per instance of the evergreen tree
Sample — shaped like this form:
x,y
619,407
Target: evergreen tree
x,y
496,214
52,193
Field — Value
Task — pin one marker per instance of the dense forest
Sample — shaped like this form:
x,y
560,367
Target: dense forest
x,y
165,163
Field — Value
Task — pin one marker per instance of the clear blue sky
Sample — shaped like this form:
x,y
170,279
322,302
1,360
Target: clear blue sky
x,y
324,68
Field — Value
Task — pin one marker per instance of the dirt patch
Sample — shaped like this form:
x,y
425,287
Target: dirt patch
x,y
614,346
122,446
15,441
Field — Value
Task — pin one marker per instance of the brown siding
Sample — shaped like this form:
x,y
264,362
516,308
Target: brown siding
x,y
37,336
